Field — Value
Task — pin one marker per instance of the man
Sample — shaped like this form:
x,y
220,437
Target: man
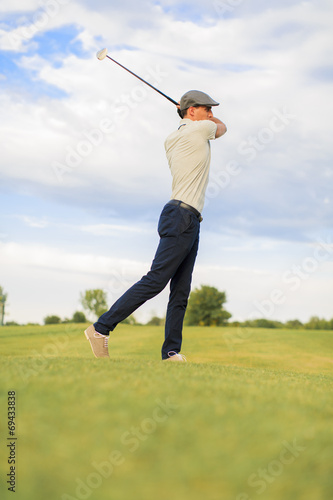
x,y
188,154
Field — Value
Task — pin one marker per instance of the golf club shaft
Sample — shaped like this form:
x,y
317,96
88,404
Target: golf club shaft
x,y
144,81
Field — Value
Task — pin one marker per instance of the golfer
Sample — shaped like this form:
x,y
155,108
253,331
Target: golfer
x,y
188,154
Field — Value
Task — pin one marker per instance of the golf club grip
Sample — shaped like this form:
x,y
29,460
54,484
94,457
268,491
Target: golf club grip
x,y
144,81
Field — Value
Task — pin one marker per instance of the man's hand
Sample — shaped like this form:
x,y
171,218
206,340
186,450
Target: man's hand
x,y
221,128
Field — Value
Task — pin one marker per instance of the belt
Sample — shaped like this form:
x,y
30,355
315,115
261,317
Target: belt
x,y
181,204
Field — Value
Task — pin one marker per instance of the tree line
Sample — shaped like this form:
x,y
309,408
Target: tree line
x,y
205,308
315,323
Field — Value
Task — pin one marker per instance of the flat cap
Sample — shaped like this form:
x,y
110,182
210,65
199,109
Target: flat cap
x,y
196,98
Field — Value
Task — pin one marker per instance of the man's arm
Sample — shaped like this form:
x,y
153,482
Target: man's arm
x,y
221,128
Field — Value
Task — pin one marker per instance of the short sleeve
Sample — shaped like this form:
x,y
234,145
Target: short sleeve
x,y
208,128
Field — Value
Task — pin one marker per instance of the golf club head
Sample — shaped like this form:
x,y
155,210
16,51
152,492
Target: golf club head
x,y
101,54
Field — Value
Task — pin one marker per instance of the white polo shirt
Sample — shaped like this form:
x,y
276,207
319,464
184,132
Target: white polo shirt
x,y
188,153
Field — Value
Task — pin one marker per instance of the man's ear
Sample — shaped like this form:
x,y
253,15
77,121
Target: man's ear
x,y
191,111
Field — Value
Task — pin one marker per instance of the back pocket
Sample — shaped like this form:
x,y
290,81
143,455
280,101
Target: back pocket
x,y
173,221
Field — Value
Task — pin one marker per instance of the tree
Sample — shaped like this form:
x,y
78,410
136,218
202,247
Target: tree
x,y
316,323
156,321
262,323
94,301
129,321
205,307
79,317
65,321
52,320
3,298
294,323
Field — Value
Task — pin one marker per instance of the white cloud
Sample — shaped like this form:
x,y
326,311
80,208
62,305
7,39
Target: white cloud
x,y
42,280
16,6
249,288
40,223
113,229
41,256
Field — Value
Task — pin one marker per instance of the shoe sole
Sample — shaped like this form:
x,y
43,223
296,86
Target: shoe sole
x,y
87,337
175,360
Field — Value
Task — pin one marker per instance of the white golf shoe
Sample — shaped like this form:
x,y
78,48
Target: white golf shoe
x,y
175,356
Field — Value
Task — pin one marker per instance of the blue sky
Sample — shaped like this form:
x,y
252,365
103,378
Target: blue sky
x,y
83,170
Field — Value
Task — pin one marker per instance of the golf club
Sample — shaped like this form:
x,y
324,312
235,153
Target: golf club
x,y
102,54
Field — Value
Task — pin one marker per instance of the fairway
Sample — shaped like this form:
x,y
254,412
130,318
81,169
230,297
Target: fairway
x,y
249,417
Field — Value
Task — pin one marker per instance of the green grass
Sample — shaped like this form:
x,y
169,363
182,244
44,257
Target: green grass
x,y
218,428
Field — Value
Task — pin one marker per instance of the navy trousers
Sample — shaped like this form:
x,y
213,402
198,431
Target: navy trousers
x,y
174,260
